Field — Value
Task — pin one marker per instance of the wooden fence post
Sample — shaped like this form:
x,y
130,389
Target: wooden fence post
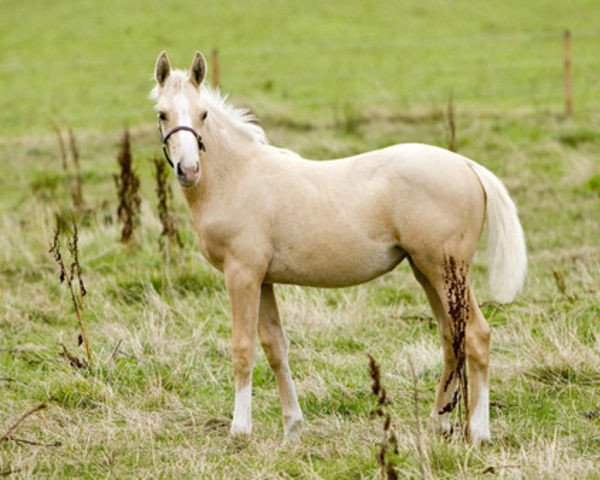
x,y
214,63
568,74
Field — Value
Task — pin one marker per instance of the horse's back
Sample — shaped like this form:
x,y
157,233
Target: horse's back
x,y
346,221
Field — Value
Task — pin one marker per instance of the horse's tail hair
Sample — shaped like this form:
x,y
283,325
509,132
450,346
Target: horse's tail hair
x,y
506,249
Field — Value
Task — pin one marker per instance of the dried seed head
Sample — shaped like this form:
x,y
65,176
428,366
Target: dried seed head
x,y
165,197
128,185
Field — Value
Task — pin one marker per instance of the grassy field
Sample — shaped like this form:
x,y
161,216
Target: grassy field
x,y
89,63
326,82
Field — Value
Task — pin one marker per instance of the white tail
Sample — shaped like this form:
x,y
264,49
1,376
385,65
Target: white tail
x,y
507,253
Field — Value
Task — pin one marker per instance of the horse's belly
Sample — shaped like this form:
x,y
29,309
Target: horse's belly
x,y
332,265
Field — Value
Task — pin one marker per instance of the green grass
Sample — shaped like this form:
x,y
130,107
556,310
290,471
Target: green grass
x,y
160,406
89,63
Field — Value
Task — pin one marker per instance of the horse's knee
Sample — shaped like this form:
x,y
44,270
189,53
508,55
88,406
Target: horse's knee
x,y
242,357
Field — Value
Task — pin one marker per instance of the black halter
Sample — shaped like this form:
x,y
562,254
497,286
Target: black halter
x,y
165,138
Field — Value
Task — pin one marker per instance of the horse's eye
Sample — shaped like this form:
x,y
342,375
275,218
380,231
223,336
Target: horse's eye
x,y
204,115
162,116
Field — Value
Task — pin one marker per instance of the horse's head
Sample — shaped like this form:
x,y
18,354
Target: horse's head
x,y
181,116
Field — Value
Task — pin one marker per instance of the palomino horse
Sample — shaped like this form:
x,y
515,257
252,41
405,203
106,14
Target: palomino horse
x,y
265,215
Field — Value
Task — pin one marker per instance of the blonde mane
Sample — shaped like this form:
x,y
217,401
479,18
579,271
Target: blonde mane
x,y
225,115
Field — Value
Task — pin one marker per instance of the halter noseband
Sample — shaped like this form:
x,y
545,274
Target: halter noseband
x,y
165,138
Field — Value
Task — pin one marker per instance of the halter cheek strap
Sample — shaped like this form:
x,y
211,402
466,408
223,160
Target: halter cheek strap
x,y
165,138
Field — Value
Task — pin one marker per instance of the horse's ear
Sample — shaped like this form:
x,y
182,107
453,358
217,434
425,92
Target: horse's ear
x,y
162,69
198,69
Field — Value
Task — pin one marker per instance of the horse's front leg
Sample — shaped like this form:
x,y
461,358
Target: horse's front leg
x,y
243,286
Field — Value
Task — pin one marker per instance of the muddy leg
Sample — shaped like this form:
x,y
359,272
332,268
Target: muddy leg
x,y
456,304
445,398
275,348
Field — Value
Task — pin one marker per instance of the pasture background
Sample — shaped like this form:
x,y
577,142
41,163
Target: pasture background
x,y
327,79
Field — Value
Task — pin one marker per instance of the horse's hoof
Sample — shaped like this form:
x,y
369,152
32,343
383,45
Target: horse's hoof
x,y
441,426
480,437
293,430
240,430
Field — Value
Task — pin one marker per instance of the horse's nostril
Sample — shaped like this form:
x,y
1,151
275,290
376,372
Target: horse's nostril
x,y
188,171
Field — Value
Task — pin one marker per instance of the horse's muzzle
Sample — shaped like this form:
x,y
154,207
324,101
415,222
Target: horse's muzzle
x,y
188,176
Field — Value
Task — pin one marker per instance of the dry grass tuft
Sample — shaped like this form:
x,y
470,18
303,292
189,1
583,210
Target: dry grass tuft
x,y
72,278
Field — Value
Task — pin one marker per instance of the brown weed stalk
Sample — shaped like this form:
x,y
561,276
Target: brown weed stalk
x,y
71,277
165,198
128,185
9,435
457,296
451,126
75,180
561,284
389,444
61,147
76,183
10,471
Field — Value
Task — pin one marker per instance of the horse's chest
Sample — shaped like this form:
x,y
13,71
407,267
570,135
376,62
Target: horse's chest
x,y
212,242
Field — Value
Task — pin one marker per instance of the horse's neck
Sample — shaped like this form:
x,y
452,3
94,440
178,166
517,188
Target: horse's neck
x,y
221,165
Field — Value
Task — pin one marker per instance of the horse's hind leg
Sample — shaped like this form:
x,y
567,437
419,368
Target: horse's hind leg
x,y
275,348
478,353
451,304
445,397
